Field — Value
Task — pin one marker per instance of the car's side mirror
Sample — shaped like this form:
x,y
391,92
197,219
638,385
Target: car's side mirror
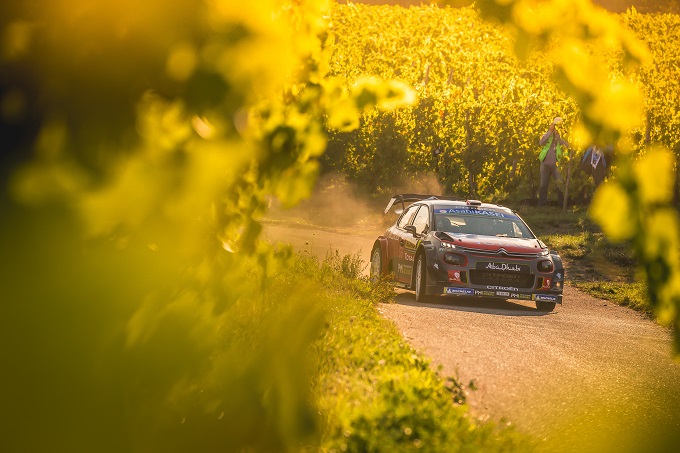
x,y
411,229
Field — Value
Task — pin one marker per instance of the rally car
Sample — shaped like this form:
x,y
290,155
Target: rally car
x,y
441,246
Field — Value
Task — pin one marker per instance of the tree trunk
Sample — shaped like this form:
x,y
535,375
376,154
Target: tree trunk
x,y
566,185
471,183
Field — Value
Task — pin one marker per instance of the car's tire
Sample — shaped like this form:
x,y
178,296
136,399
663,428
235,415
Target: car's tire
x,y
545,306
420,278
376,264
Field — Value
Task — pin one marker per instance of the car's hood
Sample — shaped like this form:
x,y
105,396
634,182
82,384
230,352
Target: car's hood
x,y
494,244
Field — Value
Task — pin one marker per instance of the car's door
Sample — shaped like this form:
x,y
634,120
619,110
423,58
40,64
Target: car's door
x,y
420,224
395,244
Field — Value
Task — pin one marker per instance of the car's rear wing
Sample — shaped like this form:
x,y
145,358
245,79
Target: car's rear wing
x,y
404,198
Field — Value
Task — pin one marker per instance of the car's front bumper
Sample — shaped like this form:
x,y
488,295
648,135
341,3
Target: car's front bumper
x,y
496,293
494,276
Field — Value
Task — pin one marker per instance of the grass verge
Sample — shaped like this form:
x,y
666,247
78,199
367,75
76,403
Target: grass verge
x,y
631,295
376,393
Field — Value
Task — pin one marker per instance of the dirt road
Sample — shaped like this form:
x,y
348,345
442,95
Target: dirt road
x,y
591,376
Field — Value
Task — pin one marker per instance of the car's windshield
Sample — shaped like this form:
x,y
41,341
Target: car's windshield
x,y
486,223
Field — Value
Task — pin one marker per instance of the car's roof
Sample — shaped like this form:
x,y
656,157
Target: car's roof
x,y
438,203
444,202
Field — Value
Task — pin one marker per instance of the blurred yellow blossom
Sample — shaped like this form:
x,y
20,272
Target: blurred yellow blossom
x,y
611,208
655,176
182,62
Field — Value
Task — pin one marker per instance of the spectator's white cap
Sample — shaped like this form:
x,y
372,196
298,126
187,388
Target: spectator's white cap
x,y
557,120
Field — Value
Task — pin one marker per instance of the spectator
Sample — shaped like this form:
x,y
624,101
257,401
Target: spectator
x,y
551,153
594,163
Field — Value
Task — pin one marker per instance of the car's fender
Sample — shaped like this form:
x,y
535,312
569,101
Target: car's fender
x,y
430,251
427,248
558,273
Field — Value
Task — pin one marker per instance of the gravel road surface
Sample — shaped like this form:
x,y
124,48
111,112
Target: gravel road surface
x,y
590,376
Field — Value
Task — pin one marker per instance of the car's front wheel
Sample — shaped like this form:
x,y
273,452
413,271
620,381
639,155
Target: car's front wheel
x,y
545,306
420,278
376,264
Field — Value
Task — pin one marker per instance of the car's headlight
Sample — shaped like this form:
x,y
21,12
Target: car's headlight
x,y
455,259
448,245
545,252
545,266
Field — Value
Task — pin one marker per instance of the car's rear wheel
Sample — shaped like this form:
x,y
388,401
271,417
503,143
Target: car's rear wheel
x,y
420,278
545,306
376,264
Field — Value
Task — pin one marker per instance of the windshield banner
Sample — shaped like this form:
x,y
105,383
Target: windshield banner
x,y
473,211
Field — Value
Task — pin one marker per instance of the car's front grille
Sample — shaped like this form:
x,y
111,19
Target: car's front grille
x,y
496,253
491,278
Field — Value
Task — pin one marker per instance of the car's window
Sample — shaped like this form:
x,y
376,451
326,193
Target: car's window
x,y
483,225
404,219
422,219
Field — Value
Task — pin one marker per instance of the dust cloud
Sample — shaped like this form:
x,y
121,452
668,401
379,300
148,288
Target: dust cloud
x,y
339,204
339,217
335,203
421,183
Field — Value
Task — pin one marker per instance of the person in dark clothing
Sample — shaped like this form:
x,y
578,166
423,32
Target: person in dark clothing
x,y
551,153
594,162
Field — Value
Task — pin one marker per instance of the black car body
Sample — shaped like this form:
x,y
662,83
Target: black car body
x,y
466,248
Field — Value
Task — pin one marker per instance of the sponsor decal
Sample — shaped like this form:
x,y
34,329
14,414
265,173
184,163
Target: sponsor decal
x,y
558,276
436,266
484,293
454,276
503,267
521,296
465,291
502,288
507,279
404,268
545,297
546,283
476,211
408,257
503,293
